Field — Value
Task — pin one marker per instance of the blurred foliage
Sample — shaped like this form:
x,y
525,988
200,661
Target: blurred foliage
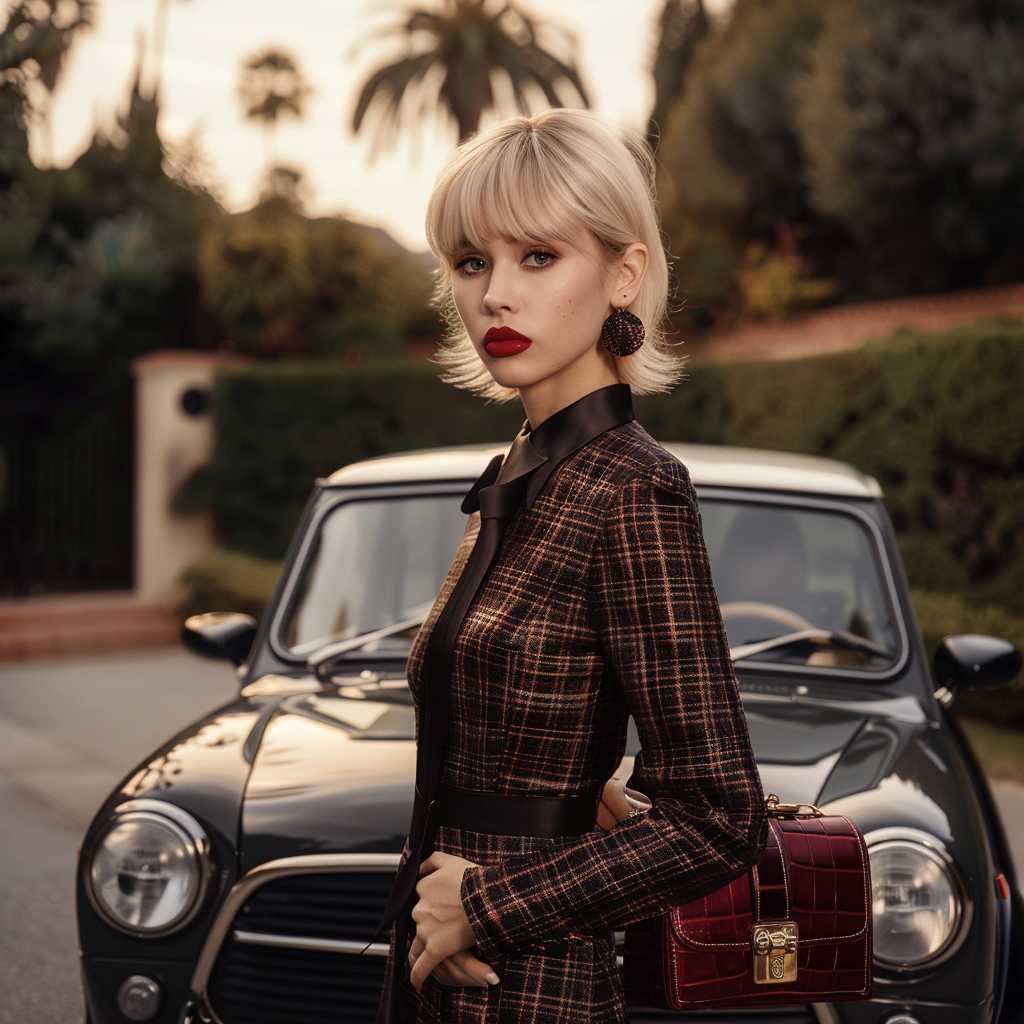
x,y
283,284
92,258
281,426
230,581
128,250
451,57
682,24
1000,751
886,133
271,87
774,284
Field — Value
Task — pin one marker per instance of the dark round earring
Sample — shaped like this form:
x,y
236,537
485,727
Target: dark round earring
x,y
622,333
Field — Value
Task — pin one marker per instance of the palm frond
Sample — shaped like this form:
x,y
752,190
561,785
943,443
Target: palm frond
x,y
389,83
471,40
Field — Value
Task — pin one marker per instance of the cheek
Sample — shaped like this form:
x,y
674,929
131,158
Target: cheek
x,y
462,296
583,298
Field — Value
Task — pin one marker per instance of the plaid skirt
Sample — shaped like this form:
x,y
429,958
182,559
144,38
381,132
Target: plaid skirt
x,y
556,982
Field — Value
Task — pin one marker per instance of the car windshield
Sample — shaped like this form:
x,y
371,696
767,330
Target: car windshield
x,y
778,570
373,564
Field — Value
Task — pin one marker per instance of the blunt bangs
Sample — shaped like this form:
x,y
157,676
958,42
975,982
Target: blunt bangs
x,y
505,193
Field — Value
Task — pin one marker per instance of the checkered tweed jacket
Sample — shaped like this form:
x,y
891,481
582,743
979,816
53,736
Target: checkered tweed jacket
x,y
600,605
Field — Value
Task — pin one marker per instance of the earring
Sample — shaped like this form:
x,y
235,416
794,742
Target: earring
x,y
622,333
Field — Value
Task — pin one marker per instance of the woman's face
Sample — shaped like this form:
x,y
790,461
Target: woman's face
x,y
534,313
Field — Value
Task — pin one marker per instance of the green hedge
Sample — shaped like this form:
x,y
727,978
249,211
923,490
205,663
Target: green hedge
x,y
281,426
937,418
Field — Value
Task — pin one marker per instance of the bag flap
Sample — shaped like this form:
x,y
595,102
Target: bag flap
x,y
829,891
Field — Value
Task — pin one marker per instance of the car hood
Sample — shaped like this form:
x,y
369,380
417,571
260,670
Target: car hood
x,y
334,771
332,774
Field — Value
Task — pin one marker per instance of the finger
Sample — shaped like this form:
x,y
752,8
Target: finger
x,y
448,972
432,863
416,949
473,968
425,963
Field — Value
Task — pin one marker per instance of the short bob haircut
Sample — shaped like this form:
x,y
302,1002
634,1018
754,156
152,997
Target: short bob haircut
x,y
528,179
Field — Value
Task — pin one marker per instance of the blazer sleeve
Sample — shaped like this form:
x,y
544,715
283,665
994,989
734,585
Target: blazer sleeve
x,y
662,636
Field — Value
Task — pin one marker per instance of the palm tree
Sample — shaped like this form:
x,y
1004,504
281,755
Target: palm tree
x,y
271,86
451,56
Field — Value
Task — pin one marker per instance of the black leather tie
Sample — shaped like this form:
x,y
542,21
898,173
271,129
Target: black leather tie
x,y
498,502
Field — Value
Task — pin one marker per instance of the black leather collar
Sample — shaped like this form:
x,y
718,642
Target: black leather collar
x,y
542,450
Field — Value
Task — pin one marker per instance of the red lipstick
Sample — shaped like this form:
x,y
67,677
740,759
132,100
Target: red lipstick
x,y
503,341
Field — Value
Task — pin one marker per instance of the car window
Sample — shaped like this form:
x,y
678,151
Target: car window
x,y
779,570
374,563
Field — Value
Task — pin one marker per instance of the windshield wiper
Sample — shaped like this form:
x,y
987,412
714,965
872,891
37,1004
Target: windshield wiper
x,y
321,662
836,637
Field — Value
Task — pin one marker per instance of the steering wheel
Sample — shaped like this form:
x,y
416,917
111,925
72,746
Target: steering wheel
x,y
763,610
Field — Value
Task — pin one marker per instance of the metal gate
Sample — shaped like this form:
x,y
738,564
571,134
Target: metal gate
x,y
66,476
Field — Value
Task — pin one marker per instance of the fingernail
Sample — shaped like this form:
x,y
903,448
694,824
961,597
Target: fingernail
x,y
492,978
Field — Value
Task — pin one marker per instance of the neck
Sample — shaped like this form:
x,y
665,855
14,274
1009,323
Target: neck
x,y
552,394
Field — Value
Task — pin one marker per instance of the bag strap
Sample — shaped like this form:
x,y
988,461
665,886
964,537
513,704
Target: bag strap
x,y
769,881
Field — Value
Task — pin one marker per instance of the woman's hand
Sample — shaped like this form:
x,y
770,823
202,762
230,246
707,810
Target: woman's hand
x,y
443,933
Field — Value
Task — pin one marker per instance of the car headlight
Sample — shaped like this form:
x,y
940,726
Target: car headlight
x,y
918,905
148,868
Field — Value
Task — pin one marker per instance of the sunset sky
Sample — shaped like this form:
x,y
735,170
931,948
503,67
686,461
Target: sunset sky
x,y
207,39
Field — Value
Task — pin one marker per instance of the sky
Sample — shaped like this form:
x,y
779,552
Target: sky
x,y
208,39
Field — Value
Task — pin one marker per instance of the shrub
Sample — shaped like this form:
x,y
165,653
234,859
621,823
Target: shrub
x,y
279,427
230,581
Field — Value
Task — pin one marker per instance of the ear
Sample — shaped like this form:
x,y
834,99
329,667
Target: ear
x,y
631,268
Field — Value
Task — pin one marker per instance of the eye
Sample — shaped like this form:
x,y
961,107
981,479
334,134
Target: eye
x,y
539,258
471,265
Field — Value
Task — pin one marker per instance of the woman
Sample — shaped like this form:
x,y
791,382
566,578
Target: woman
x,y
581,594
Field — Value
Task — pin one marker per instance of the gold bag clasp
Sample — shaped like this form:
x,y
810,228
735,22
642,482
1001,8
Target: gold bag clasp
x,y
774,949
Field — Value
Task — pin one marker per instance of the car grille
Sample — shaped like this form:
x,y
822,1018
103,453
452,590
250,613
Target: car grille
x,y
261,978
258,979
343,907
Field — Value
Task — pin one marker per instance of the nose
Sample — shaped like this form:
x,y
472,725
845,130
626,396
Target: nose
x,y
502,290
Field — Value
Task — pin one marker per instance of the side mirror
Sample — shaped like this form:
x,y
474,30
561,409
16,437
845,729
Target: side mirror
x,y
973,662
220,635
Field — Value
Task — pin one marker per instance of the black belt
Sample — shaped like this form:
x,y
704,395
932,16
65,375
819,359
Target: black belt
x,y
536,817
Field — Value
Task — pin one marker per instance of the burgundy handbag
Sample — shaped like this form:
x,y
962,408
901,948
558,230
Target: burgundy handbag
x,y
795,928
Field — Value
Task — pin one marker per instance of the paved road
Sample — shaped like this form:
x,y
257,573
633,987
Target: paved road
x,y
68,733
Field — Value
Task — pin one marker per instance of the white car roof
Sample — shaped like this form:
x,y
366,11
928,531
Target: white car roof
x,y
709,465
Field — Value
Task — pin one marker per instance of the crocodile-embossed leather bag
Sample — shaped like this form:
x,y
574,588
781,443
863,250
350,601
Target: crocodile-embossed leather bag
x,y
796,928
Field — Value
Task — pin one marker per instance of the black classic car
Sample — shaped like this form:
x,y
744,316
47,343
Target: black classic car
x,y
238,874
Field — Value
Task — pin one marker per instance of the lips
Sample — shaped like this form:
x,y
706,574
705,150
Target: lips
x,y
503,341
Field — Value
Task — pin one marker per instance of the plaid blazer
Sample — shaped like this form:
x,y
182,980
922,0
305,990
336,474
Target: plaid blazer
x,y
600,605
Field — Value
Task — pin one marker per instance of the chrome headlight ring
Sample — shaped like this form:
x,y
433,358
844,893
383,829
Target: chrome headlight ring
x,y
936,888
148,868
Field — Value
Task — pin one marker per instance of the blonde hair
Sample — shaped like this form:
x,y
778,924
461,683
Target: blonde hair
x,y
543,177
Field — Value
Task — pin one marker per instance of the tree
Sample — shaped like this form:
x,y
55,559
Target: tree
x,y
729,148
451,57
912,122
681,26
33,45
282,284
271,87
